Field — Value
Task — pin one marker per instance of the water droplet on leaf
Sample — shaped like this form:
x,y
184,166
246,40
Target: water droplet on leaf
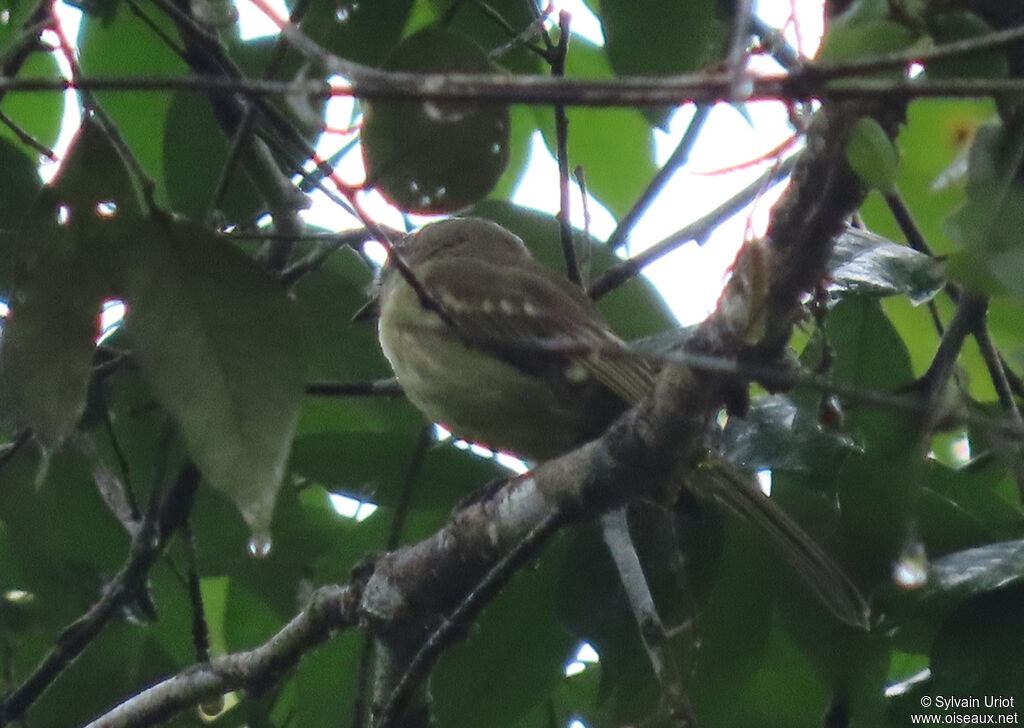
x,y
260,545
911,570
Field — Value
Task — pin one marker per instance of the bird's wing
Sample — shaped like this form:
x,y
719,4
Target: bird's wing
x,y
528,315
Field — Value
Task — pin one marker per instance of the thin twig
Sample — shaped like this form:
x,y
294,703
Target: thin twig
x,y
697,230
386,387
680,155
162,519
970,312
997,372
146,183
557,57
915,238
27,139
619,541
622,91
331,607
736,61
481,594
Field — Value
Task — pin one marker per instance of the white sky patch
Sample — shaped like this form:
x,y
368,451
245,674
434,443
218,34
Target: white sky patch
x,y
584,23
252,23
352,508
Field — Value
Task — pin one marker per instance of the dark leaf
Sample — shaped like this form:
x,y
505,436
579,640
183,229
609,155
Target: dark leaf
x,y
430,156
863,262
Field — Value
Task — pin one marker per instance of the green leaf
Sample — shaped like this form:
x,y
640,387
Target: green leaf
x,y
359,31
492,26
62,257
524,666
959,26
872,155
46,357
375,466
430,156
38,114
215,336
110,46
195,151
652,37
339,349
855,37
865,263
870,354
780,434
19,186
934,144
988,226
976,653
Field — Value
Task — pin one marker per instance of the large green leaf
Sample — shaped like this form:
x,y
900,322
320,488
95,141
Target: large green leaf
x,y
124,43
524,666
651,37
215,336
64,259
430,156
194,154
359,31
863,262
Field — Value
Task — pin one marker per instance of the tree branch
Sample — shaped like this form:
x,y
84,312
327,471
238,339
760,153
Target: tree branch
x,y
160,522
330,608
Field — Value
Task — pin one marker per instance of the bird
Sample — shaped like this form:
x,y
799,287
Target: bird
x,y
503,351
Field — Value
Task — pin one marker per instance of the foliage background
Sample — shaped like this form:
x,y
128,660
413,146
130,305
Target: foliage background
x,y
224,331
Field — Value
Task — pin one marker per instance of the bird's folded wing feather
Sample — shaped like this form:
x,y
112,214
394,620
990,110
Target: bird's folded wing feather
x,y
523,311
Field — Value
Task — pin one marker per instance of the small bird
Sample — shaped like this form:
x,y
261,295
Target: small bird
x,y
490,343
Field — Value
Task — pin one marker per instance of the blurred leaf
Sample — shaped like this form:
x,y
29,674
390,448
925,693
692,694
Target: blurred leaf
x,y
38,114
215,336
64,252
959,26
961,508
870,354
975,653
338,349
431,156
359,31
988,225
375,466
494,26
19,184
107,48
778,433
651,37
195,151
863,262
872,155
852,37
934,144
963,574
524,666
46,357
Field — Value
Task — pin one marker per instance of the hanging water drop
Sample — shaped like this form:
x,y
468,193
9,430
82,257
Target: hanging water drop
x,y
260,545
211,708
911,569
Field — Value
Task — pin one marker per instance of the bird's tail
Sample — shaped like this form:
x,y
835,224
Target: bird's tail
x,y
738,491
